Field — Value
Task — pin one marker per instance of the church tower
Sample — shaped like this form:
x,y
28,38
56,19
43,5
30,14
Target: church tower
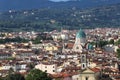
x,y
84,62
79,41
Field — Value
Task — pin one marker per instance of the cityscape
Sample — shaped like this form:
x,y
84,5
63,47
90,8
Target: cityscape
x,y
89,54
60,40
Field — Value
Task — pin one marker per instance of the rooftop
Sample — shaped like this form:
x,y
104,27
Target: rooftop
x,y
80,34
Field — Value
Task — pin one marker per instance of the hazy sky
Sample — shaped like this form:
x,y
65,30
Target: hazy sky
x,y
59,0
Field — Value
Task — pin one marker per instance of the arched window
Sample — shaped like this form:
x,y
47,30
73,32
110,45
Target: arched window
x,y
86,78
83,58
83,65
77,47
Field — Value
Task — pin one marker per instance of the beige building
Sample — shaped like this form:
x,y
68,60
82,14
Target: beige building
x,y
48,68
89,74
50,47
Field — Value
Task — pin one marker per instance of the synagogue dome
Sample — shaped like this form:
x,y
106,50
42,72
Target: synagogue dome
x,y
80,34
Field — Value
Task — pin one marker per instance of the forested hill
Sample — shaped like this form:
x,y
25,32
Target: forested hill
x,y
69,18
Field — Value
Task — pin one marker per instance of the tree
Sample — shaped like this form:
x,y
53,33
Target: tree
x,y
118,53
102,43
1,78
15,76
118,42
37,40
111,41
31,65
37,74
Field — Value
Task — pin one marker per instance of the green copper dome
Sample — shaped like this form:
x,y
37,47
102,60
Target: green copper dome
x,y
80,34
90,46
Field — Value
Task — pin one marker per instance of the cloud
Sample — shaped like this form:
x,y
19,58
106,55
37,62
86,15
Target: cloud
x,y
59,0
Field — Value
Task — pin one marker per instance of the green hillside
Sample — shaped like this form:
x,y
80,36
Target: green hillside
x,y
69,18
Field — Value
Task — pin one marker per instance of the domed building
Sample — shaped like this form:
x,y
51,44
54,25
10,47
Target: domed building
x,y
80,41
89,46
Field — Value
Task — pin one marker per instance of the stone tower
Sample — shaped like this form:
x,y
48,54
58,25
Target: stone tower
x,y
84,62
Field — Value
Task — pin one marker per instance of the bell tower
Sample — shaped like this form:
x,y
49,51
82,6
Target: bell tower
x,y
84,62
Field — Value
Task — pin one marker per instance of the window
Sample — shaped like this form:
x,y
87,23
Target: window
x,y
83,58
45,66
53,70
86,78
45,70
53,66
83,65
77,47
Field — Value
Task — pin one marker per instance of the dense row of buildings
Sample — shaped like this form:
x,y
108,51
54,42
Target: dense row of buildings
x,y
69,56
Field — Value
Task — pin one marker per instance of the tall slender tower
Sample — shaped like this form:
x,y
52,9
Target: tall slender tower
x,y
84,62
79,41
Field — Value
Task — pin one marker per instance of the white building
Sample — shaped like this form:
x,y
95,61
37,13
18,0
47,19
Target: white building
x,y
47,67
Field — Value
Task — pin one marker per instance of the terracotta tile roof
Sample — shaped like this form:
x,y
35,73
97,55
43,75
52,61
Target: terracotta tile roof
x,y
71,69
95,69
58,75
63,74
3,71
70,45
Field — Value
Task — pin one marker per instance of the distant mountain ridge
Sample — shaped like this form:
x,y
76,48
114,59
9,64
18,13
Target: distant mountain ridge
x,y
36,4
69,18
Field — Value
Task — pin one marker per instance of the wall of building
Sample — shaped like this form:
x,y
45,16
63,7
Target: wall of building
x,y
51,68
84,76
